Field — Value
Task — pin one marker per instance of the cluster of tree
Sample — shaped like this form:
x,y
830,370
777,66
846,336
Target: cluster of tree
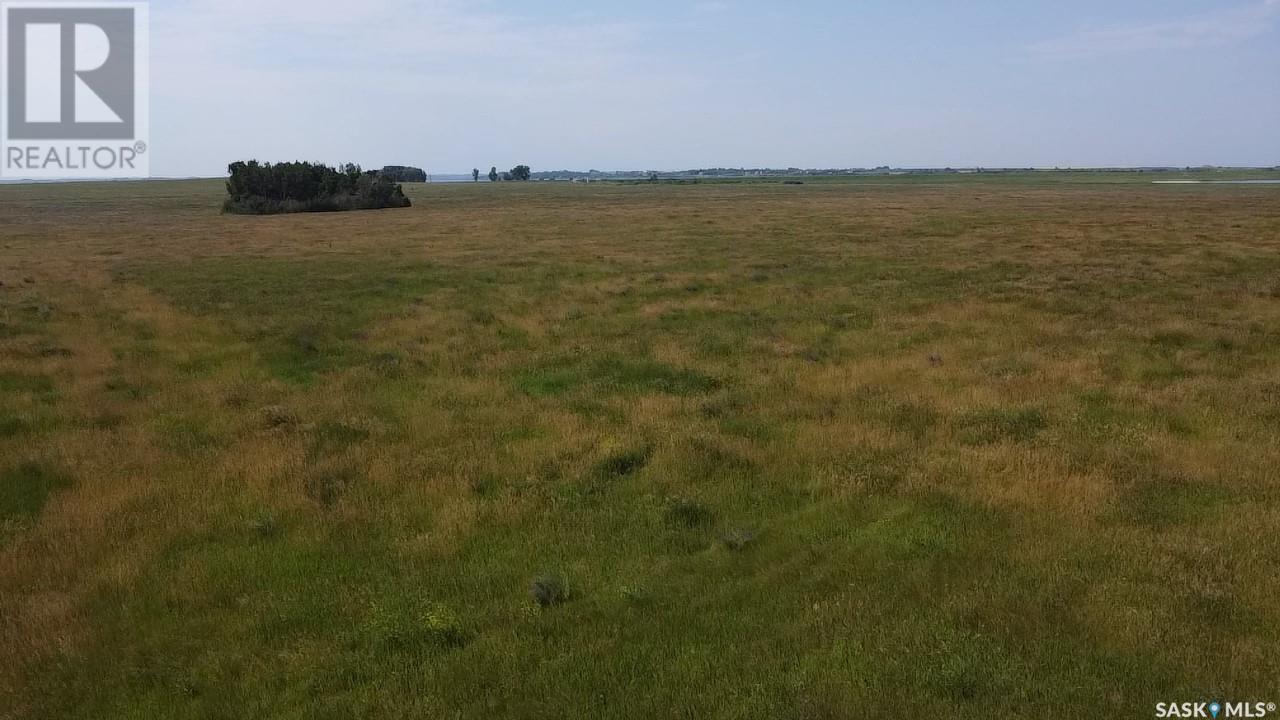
x,y
519,173
403,174
255,188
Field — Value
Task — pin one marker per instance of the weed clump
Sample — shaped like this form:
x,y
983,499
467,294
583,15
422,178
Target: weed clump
x,y
388,365
326,487
277,416
738,540
264,525
405,623
635,594
442,626
548,591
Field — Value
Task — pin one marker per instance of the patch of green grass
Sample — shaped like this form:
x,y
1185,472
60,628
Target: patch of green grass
x,y
12,425
25,488
996,425
1163,371
412,623
710,457
1163,502
912,419
871,469
941,227
304,317
750,428
186,434
327,484
623,463
1008,368
329,436
124,388
689,514
611,374
39,385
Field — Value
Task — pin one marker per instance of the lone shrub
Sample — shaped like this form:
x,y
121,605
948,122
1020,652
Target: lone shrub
x,y
266,189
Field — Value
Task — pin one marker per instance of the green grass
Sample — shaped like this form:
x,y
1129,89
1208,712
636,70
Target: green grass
x,y
916,446
610,375
304,317
26,488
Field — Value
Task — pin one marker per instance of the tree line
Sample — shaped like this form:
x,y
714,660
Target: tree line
x,y
519,173
403,174
255,188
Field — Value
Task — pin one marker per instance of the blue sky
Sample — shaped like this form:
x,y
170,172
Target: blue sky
x,y
452,85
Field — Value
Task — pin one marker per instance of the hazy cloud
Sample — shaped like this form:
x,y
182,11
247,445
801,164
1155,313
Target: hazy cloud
x,y
710,7
1205,30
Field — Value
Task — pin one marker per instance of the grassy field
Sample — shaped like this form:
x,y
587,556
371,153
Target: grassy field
x,y
992,447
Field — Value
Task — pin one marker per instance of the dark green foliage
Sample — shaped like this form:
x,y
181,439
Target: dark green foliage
x,y
266,189
403,174
521,173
